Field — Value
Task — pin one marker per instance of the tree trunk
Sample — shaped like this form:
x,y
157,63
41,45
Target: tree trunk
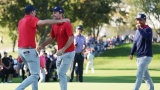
x,y
14,44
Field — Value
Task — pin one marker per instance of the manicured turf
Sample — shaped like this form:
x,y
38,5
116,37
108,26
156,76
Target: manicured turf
x,y
82,86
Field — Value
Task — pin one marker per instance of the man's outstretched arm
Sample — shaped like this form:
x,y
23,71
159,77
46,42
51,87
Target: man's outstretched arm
x,y
48,41
50,22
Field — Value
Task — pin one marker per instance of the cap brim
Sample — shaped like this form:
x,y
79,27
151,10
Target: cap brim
x,y
53,10
79,28
138,18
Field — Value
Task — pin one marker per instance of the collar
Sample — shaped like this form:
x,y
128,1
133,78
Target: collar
x,y
79,35
26,15
144,26
60,23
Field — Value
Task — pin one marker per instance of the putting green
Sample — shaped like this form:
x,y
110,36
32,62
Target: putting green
x,y
81,86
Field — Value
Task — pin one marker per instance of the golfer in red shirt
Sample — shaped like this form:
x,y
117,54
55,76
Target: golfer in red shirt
x,y
63,34
26,44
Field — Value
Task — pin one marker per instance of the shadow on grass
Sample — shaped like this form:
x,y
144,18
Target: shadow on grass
x,y
124,50
115,79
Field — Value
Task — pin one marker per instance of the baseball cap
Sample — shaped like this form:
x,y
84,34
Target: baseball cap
x,y
10,55
79,27
5,52
141,16
29,8
57,9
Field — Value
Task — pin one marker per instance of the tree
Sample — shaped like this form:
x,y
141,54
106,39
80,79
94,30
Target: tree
x,y
12,12
151,8
91,13
94,13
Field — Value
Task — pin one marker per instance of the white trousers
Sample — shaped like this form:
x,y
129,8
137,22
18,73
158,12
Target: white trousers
x,y
42,75
89,64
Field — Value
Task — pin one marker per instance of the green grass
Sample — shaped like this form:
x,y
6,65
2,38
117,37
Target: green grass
x,y
117,76
113,71
118,59
81,86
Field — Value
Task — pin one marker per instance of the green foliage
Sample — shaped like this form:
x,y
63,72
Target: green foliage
x,y
92,14
152,9
11,13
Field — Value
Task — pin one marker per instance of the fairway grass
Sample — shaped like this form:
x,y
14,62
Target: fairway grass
x,y
82,86
117,76
100,80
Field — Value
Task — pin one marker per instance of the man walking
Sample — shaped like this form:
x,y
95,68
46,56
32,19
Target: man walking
x,y
143,46
80,44
90,61
63,34
26,45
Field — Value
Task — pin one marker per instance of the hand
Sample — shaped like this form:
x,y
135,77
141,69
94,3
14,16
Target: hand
x,y
39,48
131,57
138,26
60,52
46,72
76,44
83,51
40,71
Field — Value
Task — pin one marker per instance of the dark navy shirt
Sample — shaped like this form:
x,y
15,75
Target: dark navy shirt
x,y
142,44
6,61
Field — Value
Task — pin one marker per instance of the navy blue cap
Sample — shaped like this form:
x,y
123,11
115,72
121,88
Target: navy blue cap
x,y
10,55
141,16
5,52
79,27
57,9
29,8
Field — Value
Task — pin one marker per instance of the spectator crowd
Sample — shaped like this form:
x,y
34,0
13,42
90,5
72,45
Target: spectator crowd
x,y
14,67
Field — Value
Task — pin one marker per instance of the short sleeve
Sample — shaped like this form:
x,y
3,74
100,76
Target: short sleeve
x,y
85,43
75,40
34,21
69,29
52,32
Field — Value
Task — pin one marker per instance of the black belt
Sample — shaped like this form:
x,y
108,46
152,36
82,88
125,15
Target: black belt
x,y
78,53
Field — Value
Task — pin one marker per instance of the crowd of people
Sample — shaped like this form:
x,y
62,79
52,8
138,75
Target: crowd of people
x,y
8,68
15,67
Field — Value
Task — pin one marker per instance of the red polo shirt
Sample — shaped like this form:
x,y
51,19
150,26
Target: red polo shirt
x,y
61,32
27,31
42,61
19,59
